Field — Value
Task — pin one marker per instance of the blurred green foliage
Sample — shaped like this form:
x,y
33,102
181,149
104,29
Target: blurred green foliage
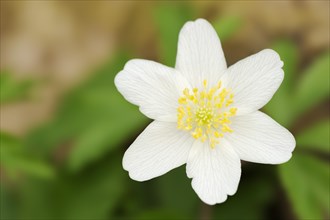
x,y
15,158
315,137
306,180
90,121
306,177
253,197
170,20
313,87
227,26
70,168
92,194
12,90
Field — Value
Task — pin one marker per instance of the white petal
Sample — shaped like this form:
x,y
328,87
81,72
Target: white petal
x,y
258,138
254,80
160,148
154,87
200,54
215,172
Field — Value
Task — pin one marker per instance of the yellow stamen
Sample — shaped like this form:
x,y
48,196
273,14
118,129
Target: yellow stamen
x,y
205,113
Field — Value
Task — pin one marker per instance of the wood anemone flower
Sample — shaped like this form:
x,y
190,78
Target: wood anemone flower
x,y
205,114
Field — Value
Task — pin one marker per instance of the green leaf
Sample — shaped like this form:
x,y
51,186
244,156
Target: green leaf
x,y
12,90
160,214
176,183
315,137
8,201
254,195
279,106
15,159
93,120
306,181
103,137
93,194
313,87
169,20
289,54
227,26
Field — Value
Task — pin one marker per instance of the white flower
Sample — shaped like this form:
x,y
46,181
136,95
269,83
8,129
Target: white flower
x,y
205,114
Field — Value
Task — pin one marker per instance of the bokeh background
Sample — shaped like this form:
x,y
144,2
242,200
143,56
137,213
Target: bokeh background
x,y
64,127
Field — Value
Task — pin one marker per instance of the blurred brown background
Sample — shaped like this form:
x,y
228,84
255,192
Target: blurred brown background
x,y
61,41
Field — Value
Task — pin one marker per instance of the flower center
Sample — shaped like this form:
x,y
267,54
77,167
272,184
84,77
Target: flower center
x,y
206,113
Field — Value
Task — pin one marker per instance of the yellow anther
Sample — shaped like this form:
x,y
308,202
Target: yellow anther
x,y
203,95
219,85
223,93
182,100
205,82
233,111
188,127
224,120
226,128
229,102
218,105
191,97
218,134
203,138
186,92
